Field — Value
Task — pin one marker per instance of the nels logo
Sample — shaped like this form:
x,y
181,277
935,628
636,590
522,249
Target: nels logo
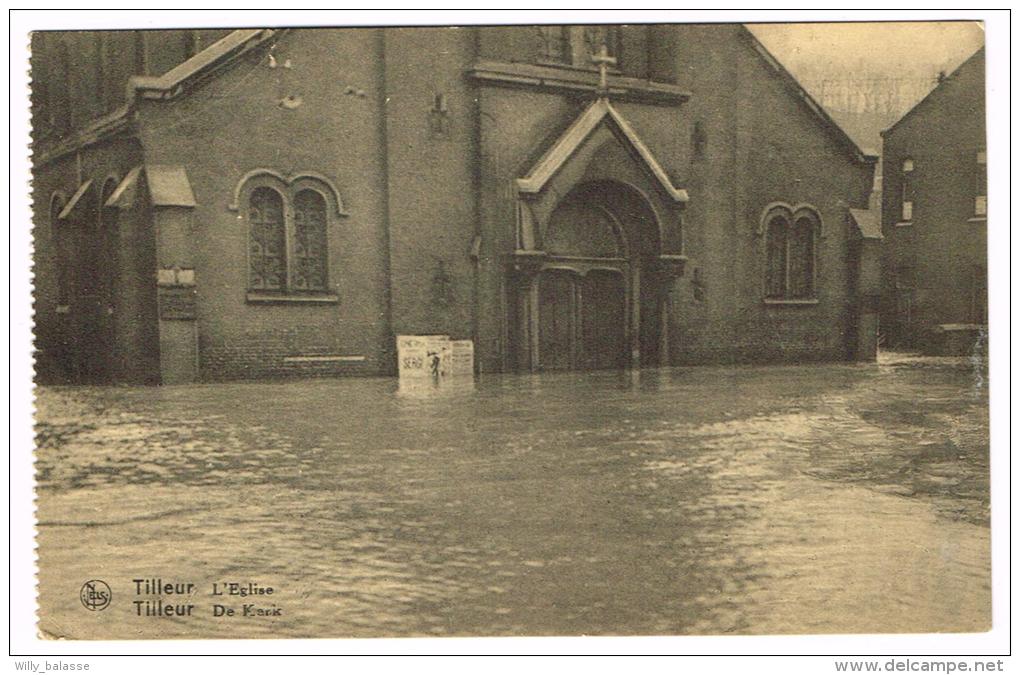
x,y
95,595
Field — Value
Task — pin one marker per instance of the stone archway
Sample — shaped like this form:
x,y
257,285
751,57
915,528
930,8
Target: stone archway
x,y
593,296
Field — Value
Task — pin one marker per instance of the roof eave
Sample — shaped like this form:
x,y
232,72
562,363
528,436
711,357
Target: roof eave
x,y
819,111
561,151
176,81
931,93
166,86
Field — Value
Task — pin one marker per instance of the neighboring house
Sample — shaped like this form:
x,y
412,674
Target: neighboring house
x,y
287,201
935,217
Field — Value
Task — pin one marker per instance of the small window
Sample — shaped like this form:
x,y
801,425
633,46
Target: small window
x,y
981,184
554,44
907,194
575,45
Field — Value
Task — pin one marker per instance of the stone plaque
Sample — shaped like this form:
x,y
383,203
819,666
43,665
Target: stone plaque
x,y
177,303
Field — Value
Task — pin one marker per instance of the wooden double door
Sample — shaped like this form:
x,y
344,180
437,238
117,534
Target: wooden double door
x,y
582,319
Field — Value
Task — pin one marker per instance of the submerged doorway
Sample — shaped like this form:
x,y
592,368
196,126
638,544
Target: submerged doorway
x,y
595,301
582,320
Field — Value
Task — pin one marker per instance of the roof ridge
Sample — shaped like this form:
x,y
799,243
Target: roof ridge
x,y
937,87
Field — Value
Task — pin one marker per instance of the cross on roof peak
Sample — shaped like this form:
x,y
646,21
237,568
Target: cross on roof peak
x,y
603,60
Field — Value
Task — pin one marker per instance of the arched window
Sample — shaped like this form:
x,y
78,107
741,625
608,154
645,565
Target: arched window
x,y
289,220
108,240
266,240
309,267
802,258
790,241
776,247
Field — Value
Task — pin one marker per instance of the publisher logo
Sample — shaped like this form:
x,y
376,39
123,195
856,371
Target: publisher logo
x,y
95,595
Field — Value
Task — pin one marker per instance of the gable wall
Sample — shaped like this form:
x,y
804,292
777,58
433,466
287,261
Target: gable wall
x,y
760,145
945,242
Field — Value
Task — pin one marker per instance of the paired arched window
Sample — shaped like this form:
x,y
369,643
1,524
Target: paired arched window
x,y
791,238
288,248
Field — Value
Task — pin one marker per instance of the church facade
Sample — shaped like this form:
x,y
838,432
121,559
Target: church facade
x,y
255,203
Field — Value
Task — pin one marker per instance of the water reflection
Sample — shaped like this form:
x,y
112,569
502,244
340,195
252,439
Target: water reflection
x,y
826,498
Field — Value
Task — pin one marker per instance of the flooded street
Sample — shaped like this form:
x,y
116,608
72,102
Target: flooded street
x,y
710,500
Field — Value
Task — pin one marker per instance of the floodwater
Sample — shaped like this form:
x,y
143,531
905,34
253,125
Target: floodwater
x,y
828,498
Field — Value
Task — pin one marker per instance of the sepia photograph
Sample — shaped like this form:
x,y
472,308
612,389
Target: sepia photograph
x,y
511,329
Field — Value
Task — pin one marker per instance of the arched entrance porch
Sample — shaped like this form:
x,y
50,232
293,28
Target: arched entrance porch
x,y
594,297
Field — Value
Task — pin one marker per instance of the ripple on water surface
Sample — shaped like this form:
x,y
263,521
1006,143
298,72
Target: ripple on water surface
x,y
821,498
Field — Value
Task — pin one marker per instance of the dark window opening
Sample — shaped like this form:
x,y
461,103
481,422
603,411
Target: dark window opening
x,y
907,195
776,246
554,44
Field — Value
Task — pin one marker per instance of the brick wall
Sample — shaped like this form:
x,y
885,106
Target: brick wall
x,y
944,242
759,144
246,119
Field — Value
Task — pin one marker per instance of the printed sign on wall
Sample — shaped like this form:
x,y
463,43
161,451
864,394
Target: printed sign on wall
x,y
434,356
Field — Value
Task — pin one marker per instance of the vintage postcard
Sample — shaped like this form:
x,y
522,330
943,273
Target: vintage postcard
x,y
527,329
